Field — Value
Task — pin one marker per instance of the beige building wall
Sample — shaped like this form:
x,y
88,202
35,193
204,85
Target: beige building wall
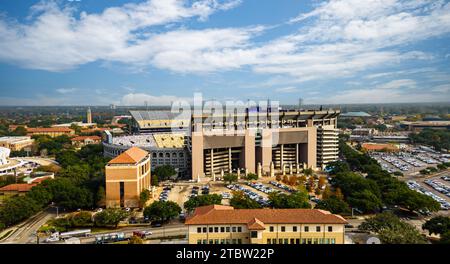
x,y
135,178
288,236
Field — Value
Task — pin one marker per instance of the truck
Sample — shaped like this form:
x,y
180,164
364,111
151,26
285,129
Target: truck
x,y
75,233
110,238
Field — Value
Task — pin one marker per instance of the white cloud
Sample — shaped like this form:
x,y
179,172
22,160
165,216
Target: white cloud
x,y
341,38
290,89
397,84
66,90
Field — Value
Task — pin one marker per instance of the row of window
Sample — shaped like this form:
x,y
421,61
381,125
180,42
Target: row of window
x,y
306,229
222,229
219,241
301,241
161,155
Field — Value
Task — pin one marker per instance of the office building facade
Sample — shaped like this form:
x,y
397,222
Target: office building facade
x,y
217,224
127,175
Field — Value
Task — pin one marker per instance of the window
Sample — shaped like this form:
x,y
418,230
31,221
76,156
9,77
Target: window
x,y
330,229
204,241
239,241
216,241
297,241
239,229
161,155
222,229
306,228
269,241
317,228
309,241
167,155
222,241
154,155
274,241
234,229
294,229
333,241
204,229
292,241
316,241
280,241
210,230
254,234
234,241
227,241
271,229
228,229
199,241
199,229
283,229
304,241
286,241
216,229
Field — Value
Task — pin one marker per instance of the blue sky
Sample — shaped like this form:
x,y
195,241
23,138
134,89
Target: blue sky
x,y
99,52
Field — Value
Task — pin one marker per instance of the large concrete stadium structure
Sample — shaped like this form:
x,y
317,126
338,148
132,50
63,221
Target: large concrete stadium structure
x,y
209,145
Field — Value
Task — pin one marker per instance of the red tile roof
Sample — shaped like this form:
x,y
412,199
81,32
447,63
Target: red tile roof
x,y
379,147
83,138
48,129
256,218
131,156
18,187
40,180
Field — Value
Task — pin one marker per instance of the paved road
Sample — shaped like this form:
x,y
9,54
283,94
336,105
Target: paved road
x,y
25,232
160,233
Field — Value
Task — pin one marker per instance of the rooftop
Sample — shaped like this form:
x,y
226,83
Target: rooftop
x,y
131,156
256,218
82,138
18,187
49,129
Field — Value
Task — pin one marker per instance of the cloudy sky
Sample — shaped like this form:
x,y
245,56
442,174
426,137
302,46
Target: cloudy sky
x,y
98,52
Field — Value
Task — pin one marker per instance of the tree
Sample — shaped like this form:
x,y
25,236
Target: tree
x,y
164,172
144,197
82,219
308,171
135,240
327,193
278,177
445,238
365,201
252,177
292,180
241,201
285,179
311,184
162,211
155,180
110,217
202,200
294,200
16,209
392,230
101,196
437,225
322,182
230,178
334,205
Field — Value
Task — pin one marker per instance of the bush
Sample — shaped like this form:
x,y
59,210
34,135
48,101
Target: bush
x,y
110,217
162,211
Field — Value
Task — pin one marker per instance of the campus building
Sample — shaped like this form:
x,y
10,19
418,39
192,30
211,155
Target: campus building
x,y
50,131
16,143
81,141
218,224
127,175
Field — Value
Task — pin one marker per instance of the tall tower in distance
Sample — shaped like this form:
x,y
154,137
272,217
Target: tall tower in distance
x,y
89,116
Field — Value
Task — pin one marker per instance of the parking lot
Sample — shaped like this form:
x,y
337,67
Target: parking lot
x,y
437,188
409,161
